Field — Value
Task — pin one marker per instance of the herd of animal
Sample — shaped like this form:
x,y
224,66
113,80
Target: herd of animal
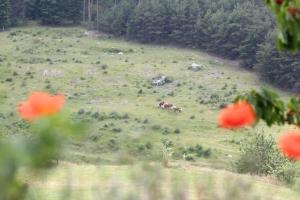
x,y
169,106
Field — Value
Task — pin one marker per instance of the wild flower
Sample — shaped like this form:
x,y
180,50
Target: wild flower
x,y
40,104
237,115
289,144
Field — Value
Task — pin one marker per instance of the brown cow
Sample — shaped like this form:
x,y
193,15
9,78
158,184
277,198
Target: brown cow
x,y
176,109
168,106
161,104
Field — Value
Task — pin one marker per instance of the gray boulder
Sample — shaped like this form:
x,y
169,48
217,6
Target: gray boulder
x,y
159,80
195,67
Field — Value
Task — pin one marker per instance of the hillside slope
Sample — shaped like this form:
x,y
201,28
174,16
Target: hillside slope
x,y
91,182
108,85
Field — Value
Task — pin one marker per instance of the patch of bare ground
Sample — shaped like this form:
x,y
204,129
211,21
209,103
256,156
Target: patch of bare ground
x,y
221,60
96,34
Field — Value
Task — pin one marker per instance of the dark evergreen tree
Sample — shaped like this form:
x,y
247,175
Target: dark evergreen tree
x,y
279,68
151,21
234,32
52,12
139,21
18,12
115,19
4,14
32,9
73,10
252,22
57,12
183,22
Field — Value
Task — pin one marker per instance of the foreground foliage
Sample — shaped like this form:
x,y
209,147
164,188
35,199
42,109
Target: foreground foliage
x,y
151,181
37,151
259,155
287,14
271,109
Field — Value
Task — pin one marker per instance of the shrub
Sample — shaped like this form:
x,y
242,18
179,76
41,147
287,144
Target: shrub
x,y
166,131
149,145
81,111
169,79
259,155
192,152
156,127
117,130
9,80
189,158
96,115
177,131
167,152
104,66
113,145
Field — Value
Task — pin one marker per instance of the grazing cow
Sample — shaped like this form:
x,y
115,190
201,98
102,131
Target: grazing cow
x,y
161,104
179,110
168,106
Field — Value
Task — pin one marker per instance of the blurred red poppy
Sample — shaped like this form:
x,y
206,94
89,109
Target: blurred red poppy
x,y
237,115
289,145
40,104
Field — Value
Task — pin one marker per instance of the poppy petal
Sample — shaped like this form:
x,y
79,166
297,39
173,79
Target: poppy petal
x,y
237,115
289,144
40,104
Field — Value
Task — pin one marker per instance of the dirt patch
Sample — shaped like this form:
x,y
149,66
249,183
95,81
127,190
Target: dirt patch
x,y
52,73
96,34
221,60
91,71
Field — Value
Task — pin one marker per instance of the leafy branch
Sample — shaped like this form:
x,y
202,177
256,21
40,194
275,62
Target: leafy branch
x,y
273,110
287,13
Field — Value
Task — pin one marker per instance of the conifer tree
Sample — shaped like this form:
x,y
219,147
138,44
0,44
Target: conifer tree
x,y
280,68
4,14
54,12
32,9
17,12
73,10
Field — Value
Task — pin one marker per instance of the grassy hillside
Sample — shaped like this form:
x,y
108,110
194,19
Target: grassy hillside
x,y
108,85
126,182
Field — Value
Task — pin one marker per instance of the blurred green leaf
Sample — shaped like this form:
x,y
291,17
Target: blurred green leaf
x,y
271,109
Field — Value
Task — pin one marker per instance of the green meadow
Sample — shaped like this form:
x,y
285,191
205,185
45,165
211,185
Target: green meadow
x,y
108,85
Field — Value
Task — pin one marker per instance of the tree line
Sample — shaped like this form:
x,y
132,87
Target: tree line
x,y
235,29
49,12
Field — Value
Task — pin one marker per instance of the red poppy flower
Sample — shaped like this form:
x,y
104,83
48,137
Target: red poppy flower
x,y
40,104
289,144
237,115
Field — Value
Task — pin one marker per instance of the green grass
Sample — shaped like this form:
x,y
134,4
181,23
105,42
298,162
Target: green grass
x,y
97,79
111,182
